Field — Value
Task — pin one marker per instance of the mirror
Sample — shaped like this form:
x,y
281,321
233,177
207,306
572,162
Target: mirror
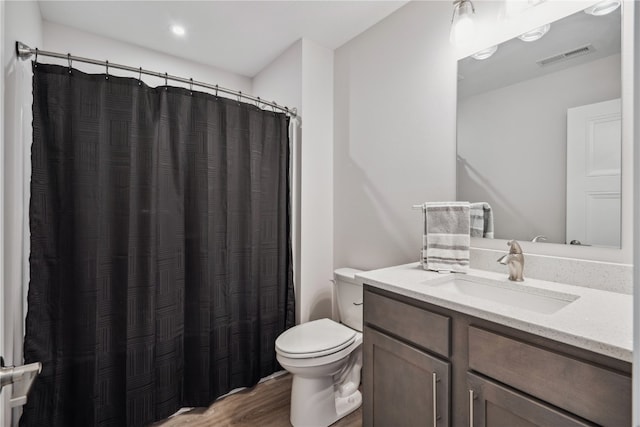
x,y
539,133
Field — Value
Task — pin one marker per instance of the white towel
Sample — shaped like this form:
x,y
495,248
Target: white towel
x,y
481,220
446,236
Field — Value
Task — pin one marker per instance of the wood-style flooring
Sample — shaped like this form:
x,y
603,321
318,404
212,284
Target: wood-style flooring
x,y
265,405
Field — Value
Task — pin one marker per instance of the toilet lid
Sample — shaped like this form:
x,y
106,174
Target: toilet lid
x,y
316,338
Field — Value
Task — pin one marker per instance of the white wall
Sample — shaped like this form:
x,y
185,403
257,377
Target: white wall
x,y
394,134
636,231
4,398
528,189
60,38
22,22
302,77
316,182
281,80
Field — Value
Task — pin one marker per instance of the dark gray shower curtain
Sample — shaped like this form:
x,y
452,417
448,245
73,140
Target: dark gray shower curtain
x,y
160,248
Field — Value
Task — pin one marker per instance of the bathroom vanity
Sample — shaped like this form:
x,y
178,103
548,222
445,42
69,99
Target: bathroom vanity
x,y
477,350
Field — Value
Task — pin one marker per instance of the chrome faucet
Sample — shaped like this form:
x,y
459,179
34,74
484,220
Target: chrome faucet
x,y
539,238
514,260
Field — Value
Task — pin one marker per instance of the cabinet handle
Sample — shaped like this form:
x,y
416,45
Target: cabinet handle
x,y
471,408
435,399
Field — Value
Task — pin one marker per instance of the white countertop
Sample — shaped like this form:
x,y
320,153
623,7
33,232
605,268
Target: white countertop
x,y
599,321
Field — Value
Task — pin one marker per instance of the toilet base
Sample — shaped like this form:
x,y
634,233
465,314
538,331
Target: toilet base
x,y
346,405
314,402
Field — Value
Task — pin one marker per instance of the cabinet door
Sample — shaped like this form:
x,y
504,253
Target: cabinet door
x,y
493,405
403,386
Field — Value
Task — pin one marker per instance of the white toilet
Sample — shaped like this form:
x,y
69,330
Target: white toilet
x,y
325,358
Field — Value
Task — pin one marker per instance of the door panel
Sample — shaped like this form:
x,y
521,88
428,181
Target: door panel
x,y
399,383
495,405
594,141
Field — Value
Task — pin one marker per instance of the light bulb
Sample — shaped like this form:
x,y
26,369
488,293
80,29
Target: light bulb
x,y
535,34
485,53
603,8
462,25
178,30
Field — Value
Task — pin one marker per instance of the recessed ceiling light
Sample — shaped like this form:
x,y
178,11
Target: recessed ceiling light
x,y
485,53
603,8
178,30
535,34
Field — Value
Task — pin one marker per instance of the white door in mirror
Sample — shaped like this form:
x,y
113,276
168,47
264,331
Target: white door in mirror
x,y
593,174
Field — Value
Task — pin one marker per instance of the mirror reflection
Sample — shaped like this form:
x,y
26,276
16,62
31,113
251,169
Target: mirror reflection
x,y
539,132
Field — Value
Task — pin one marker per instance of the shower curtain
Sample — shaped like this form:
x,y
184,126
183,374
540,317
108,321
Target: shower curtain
x,y
160,248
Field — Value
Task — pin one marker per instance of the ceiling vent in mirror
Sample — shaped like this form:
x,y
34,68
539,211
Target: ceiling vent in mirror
x,y
573,53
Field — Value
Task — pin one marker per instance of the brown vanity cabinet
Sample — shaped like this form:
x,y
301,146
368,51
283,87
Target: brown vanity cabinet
x,y
406,383
486,374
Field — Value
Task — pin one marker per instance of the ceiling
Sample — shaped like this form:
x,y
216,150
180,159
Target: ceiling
x,y
515,60
238,36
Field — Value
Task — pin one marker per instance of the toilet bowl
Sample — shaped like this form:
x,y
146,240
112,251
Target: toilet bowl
x,y
325,359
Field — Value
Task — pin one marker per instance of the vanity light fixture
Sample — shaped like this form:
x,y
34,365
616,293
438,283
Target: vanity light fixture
x,y
535,34
485,53
603,8
178,30
462,25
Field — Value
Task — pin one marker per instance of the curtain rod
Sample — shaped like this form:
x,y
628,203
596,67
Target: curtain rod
x,y
25,52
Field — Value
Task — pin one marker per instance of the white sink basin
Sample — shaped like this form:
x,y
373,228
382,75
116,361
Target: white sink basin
x,y
512,294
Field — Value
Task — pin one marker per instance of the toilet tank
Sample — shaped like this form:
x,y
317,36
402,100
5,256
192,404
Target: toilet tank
x,y
349,297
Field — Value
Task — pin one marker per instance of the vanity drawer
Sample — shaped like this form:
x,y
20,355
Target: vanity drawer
x,y
416,325
587,390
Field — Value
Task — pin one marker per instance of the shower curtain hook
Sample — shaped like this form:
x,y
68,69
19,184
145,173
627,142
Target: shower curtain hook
x,y
239,95
273,107
140,77
36,59
216,90
69,59
166,81
107,65
258,102
191,85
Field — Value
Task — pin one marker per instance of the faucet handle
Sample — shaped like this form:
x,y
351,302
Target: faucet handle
x,y
514,247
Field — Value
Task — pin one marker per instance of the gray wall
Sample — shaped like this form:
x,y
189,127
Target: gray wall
x,y
394,134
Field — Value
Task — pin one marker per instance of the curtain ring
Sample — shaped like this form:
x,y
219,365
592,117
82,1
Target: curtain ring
x,y
166,81
36,59
239,95
216,90
274,106
107,65
258,102
140,77
69,59
191,85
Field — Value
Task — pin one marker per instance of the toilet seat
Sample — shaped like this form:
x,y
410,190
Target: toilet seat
x,y
314,339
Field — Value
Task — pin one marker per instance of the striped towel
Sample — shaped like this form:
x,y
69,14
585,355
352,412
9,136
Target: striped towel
x,y
481,220
446,236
